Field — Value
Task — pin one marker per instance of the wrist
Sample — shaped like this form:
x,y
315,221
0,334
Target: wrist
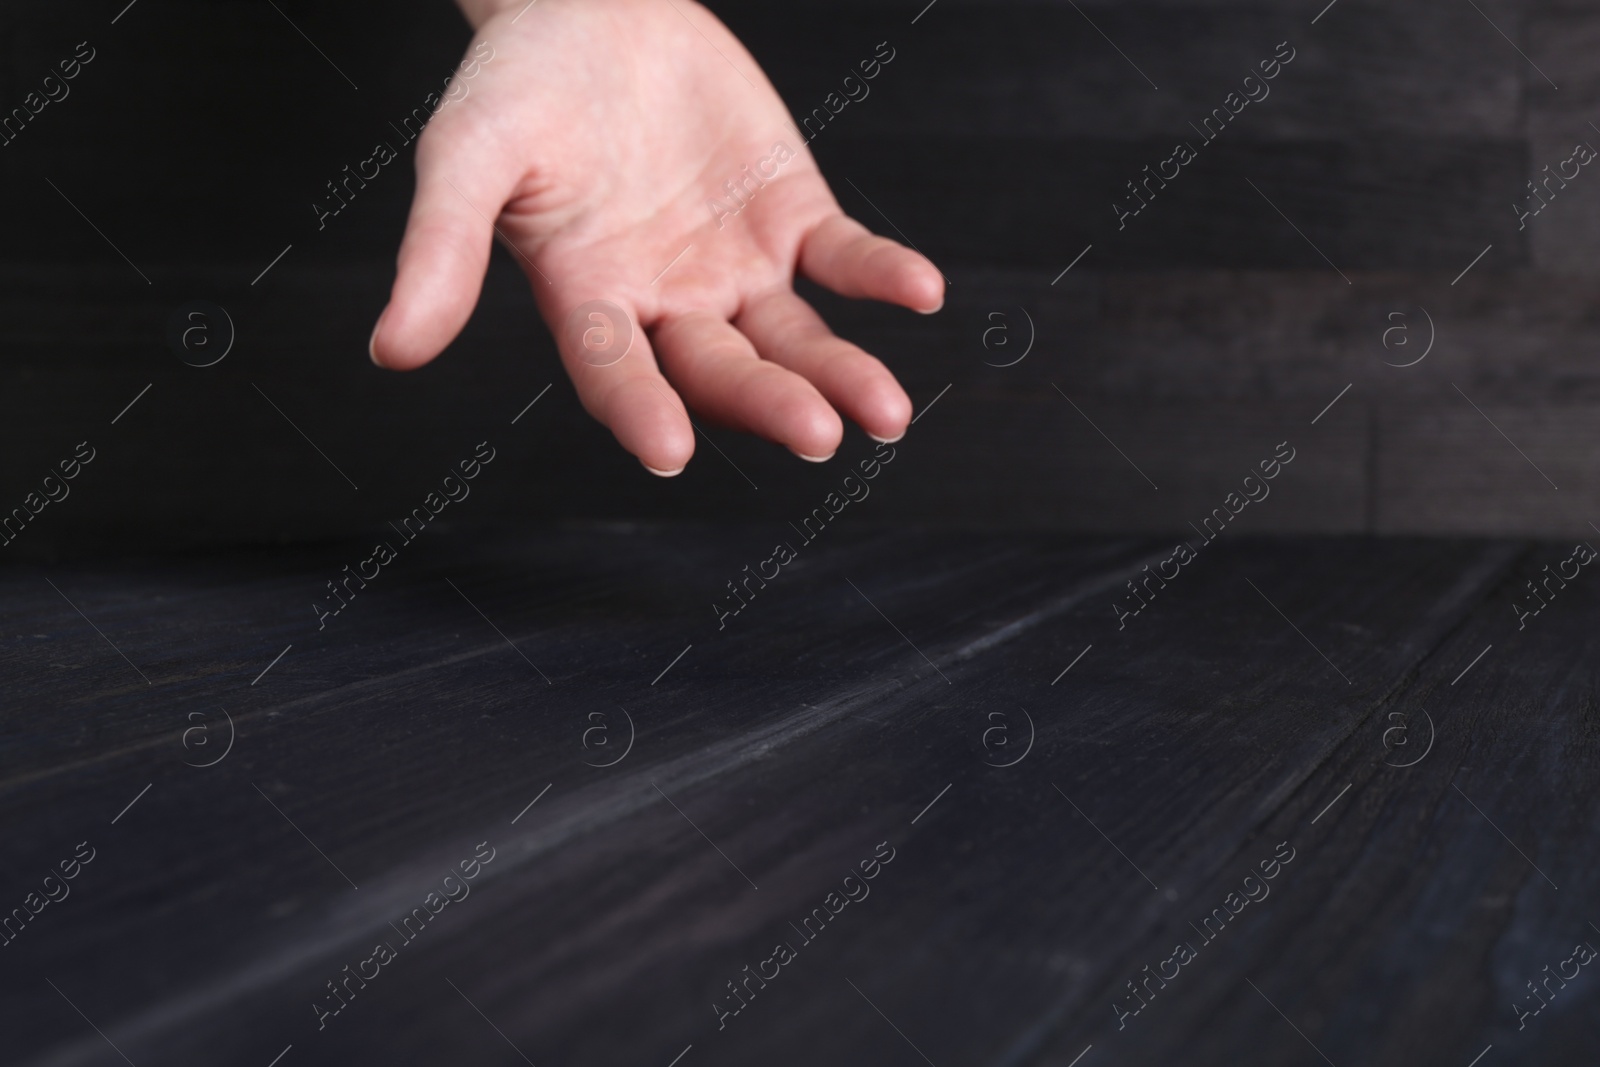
x,y
480,11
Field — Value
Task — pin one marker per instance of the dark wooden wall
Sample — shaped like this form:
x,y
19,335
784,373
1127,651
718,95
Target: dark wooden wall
x,y
1196,339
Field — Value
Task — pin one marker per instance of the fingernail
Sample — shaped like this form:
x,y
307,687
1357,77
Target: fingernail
x,y
933,310
659,473
886,440
814,459
372,342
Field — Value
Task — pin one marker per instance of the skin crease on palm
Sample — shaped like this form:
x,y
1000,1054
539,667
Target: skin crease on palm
x,y
593,141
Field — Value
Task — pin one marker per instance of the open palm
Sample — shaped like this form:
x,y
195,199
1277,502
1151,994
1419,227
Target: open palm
x,y
632,152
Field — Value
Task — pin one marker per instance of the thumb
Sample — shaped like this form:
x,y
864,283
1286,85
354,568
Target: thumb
x,y
462,183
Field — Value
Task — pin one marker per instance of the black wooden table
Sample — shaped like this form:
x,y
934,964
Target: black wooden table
x,y
922,799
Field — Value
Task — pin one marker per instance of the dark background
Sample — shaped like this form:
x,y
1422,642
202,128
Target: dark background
x,y
1266,697
1197,339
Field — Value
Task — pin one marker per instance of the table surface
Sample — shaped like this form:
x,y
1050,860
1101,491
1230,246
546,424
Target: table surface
x,y
1343,753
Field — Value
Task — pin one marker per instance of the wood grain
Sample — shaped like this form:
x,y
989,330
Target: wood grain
x,y
1196,739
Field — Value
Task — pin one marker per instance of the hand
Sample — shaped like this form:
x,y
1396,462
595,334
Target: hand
x,y
600,134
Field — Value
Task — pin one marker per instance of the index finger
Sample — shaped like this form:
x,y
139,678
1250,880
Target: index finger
x,y
613,367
